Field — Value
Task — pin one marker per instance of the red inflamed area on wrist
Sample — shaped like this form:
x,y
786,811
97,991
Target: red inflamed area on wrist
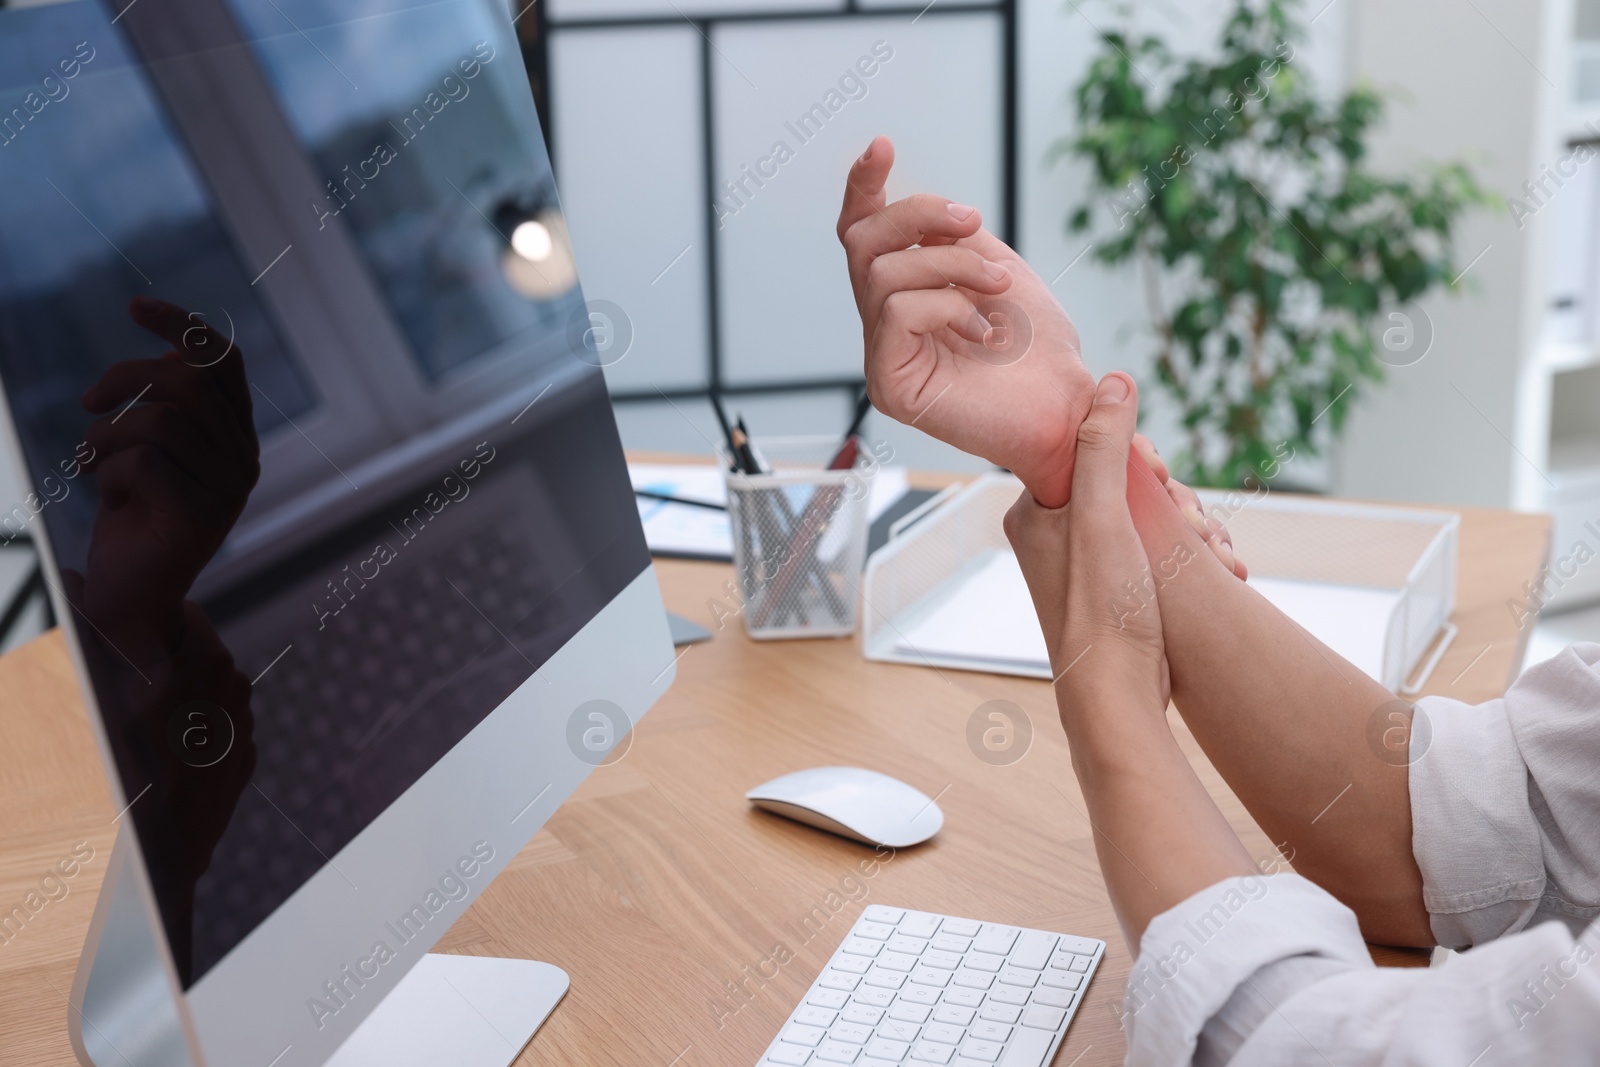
x,y
1149,503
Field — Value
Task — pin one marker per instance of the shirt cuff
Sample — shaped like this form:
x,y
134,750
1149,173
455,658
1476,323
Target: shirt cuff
x,y
1195,955
1472,828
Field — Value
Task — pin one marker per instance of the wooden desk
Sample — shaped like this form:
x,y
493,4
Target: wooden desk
x,y
658,888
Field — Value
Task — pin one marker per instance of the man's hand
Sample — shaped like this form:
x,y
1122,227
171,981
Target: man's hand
x,y
963,340
175,458
1211,530
1087,571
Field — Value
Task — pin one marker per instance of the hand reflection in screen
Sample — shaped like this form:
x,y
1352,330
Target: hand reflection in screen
x,y
175,456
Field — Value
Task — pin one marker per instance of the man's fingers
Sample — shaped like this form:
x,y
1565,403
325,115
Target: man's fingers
x,y
931,268
912,313
863,186
912,221
199,345
1152,458
1100,479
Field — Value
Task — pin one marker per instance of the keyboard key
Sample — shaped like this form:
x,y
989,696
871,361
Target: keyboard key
x,y
816,1017
973,979
898,1030
1032,950
875,996
1053,998
1062,961
879,914
1000,1013
862,946
991,1031
885,979
1029,1048
851,1033
1061,979
953,1014
910,945
984,961
965,998
987,1051
897,961
932,1052
995,938
931,977
910,1013
851,964
919,924
1081,945
876,931
840,980
1079,964
920,994
1020,977
945,943
793,1055
865,1014
799,1034
884,1049
1043,1018
838,1052
961,927
1006,994
947,961
828,998
950,1035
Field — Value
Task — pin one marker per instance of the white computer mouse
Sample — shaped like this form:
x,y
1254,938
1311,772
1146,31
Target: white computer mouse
x,y
853,802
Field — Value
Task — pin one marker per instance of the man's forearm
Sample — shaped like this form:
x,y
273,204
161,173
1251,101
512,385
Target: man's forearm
x,y
1159,837
1285,721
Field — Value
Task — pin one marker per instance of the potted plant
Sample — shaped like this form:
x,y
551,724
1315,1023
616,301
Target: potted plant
x,y
1270,254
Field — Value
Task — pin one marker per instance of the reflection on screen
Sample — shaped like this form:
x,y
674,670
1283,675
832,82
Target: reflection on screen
x,y
265,698
419,124
79,233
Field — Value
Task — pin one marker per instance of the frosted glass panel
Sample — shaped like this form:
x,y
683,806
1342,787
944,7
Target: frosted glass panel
x,y
629,166
570,10
935,88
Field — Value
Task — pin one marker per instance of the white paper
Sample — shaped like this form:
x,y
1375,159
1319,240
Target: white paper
x,y
988,618
1352,620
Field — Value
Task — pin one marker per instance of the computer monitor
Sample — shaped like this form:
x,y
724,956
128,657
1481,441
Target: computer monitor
x,y
325,477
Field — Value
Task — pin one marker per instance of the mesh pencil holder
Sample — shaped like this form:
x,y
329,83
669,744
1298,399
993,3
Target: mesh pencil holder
x,y
799,539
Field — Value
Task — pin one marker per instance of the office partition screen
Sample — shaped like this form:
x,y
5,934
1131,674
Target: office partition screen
x,y
702,147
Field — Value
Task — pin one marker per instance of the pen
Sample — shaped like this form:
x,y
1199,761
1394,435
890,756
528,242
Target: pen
x,y
727,431
747,456
651,494
850,450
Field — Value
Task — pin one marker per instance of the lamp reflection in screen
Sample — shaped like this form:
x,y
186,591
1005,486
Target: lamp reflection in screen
x,y
537,260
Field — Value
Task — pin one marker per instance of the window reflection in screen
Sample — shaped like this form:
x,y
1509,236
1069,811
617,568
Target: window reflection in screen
x,y
100,201
420,127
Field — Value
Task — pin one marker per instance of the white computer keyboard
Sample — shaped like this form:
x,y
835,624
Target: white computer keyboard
x,y
908,986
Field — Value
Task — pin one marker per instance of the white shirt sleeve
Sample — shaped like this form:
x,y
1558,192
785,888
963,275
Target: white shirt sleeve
x,y
1505,800
1272,972
1505,803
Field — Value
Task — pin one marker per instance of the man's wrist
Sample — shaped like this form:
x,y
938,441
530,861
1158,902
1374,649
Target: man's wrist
x,y
1110,722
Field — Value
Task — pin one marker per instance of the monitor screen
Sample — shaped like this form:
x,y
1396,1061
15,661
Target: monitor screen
x,y
298,363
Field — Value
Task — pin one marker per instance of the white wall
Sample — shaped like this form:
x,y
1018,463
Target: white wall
x,y
1464,85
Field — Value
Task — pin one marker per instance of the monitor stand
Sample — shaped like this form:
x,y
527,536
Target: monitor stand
x,y
467,1011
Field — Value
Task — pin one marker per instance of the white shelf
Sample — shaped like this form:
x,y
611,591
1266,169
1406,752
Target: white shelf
x,y
1558,356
